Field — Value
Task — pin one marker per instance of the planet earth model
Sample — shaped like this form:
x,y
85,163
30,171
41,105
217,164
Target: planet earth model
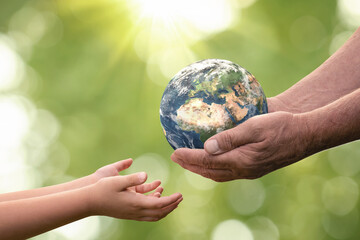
x,y
208,97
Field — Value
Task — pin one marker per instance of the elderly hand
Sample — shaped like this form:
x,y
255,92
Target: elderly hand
x,y
254,148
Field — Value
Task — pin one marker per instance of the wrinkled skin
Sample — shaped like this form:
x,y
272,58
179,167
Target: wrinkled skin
x,y
254,148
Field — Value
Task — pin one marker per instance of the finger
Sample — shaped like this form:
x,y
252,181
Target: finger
x,y
157,214
131,180
157,203
157,193
231,139
159,190
218,175
144,188
122,165
201,158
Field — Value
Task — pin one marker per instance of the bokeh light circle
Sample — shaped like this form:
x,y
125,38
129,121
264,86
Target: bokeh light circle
x,y
232,229
86,229
14,121
263,228
309,189
340,195
338,40
16,175
44,129
308,34
199,182
246,196
341,227
154,165
29,21
344,159
307,222
199,191
11,65
349,12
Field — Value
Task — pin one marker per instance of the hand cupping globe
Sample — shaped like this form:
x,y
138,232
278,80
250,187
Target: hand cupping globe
x,y
208,97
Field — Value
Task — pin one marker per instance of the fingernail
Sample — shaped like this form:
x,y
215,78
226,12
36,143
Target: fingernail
x,y
142,176
212,146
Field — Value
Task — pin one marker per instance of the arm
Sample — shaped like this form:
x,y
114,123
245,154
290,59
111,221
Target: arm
x,y
106,171
22,219
336,77
110,196
268,142
334,124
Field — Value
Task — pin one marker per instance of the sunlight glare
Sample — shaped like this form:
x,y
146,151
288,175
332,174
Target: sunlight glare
x,y
349,12
87,228
15,121
167,29
11,66
156,8
207,16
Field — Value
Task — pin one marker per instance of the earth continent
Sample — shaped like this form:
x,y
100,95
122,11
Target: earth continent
x,y
208,97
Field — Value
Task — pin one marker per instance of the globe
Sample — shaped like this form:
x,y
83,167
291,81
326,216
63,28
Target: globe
x,y
208,97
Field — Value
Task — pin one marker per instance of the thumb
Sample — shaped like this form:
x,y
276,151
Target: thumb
x,y
133,179
229,139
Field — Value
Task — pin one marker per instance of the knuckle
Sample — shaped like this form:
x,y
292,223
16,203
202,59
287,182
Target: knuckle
x,y
263,146
205,161
227,140
256,129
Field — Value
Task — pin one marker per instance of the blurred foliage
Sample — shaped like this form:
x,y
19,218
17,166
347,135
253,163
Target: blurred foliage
x,y
85,71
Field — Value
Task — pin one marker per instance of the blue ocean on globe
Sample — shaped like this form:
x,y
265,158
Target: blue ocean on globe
x,y
208,97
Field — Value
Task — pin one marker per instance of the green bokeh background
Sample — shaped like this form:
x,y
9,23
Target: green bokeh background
x,y
85,71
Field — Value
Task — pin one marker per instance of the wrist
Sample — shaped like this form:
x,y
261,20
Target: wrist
x,y
93,178
280,104
307,129
90,201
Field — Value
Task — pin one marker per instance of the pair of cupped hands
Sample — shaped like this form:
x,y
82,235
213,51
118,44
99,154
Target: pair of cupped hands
x,y
254,148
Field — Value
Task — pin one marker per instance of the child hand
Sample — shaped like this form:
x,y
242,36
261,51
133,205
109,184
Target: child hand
x,y
111,169
122,197
148,187
114,169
